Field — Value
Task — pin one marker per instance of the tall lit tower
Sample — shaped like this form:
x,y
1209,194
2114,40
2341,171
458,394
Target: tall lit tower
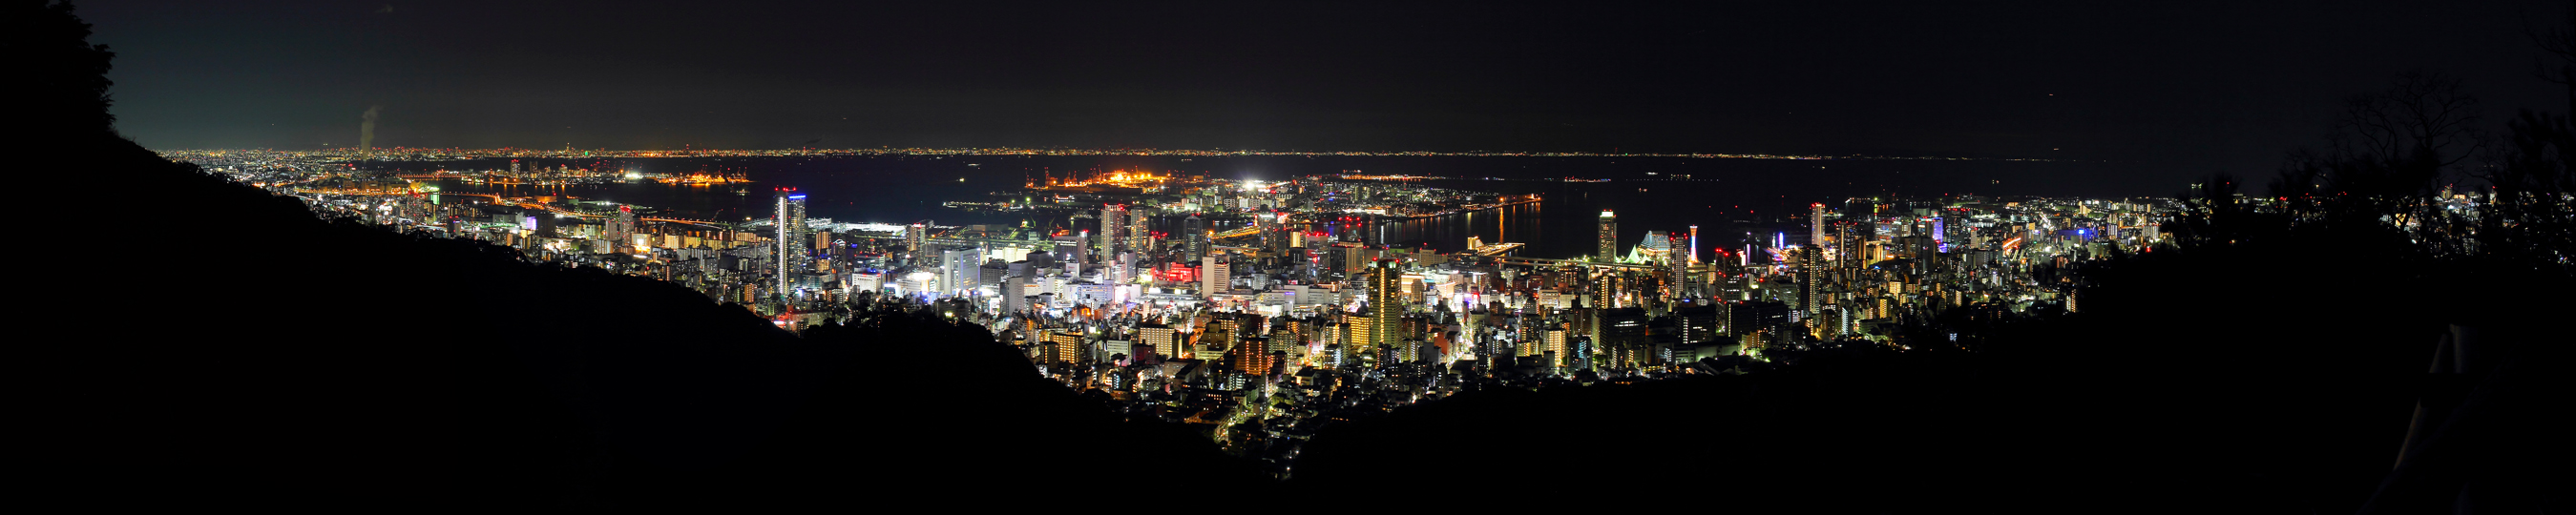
x,y
1609,236
1816,225
792,243
1694,245
1386,305
1112,218
1681,279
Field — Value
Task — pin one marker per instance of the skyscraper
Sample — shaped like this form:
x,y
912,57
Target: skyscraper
x,y
1681,280
1809,277
1195,235
914,236
1386,304
1609,237
1113,217
1139,235
793,248
1816,225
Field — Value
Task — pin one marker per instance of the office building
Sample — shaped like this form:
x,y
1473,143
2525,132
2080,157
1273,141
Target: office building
x,y
914,237
1140,235
794,250
1386,301
1215,275
1609,237
1113,221
1195,237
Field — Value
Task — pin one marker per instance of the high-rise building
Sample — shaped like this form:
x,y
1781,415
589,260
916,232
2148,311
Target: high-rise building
x,y
1816,225
1363,338
1140,234
914,236
1251,355
992,272
1158,336
1113,218
1215,275
1623,329
794,253
959,268
1810,279
1386,301
1195,237
1356,257
1219,336
1555,347
1699,323
1847,244
1609,237
1065,346
1682,284
1072,247
620,227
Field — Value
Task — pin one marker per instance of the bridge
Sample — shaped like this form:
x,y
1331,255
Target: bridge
x,y
955,241
1572,262
989,241
1496,249
1237,233
719,225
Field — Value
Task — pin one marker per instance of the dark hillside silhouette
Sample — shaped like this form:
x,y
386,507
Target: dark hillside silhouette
x,y
2274,361
2248,378
208,344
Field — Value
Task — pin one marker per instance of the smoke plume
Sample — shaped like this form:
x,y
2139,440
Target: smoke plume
x,y
367,128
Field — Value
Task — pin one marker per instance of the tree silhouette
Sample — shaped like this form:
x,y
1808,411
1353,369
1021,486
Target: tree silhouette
x,y
63,86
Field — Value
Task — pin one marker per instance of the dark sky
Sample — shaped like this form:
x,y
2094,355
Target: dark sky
x,y
2229,84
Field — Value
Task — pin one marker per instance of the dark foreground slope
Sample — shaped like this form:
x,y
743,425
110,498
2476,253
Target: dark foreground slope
x,y
203,343
263,355
2252,379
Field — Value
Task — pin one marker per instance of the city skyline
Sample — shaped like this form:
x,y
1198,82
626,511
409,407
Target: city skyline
x,y
1862,256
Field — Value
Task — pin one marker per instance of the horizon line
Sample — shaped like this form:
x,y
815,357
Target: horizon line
x,y
1018,151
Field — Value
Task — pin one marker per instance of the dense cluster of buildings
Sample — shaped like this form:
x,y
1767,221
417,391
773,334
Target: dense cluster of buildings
x,y
1246,319
1266,310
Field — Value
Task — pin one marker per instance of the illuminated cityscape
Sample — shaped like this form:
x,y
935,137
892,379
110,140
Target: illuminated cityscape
x,y
790,257
1273,301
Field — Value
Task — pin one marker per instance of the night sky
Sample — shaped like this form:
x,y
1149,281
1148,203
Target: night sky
x,y
2217,86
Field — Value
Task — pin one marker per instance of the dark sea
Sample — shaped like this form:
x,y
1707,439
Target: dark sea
x,y
1732,200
